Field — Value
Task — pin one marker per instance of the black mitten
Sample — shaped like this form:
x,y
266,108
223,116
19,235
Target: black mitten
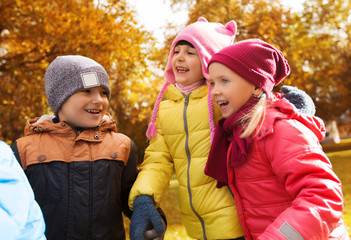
x,y
144,215
299,99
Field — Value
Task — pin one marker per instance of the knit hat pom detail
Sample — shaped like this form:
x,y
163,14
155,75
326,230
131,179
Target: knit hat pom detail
x,y
151,131
210,114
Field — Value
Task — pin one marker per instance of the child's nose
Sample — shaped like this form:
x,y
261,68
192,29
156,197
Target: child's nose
x,y
180,56
214,91
97,98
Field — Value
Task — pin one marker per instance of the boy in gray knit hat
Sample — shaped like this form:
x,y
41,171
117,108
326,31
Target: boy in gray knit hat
x,y
80,168
67,75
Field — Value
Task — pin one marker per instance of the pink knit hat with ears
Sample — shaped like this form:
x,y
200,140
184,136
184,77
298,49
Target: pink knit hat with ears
x,y
207,38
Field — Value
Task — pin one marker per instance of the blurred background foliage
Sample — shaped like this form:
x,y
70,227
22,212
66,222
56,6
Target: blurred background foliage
x,y
316,41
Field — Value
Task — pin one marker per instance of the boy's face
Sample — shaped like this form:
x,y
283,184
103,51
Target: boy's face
x,y
230,91
186,65
85,108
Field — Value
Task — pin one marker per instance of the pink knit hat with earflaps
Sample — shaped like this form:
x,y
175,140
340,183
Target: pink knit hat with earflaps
x,y
207,38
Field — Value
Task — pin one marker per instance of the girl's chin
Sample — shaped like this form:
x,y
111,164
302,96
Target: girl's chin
x,y
227,114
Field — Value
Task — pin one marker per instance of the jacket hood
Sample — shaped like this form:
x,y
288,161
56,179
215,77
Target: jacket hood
x,y
45,124
283,109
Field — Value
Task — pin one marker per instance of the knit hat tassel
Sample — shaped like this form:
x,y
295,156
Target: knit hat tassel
x,y
151,131
210,113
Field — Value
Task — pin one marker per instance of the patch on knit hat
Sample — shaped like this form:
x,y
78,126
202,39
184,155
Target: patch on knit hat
x,y
90,80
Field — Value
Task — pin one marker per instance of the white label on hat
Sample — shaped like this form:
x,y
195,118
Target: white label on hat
x,y
90,80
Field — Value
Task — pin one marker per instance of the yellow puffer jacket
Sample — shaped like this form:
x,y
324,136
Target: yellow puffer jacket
x,y
182,145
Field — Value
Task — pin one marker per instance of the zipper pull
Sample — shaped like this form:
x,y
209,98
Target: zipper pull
x,y
186,100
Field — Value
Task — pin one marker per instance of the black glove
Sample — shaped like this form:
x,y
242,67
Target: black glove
x,y
299,99
144,215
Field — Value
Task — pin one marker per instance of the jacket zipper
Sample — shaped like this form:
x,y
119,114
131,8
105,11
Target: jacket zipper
x,y
239,203
90,225
90,216
70,229
186,103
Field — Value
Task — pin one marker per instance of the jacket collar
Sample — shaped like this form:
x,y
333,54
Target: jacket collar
x,y
176,95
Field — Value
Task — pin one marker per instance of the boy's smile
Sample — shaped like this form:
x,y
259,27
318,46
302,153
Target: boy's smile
x,y
93,111
85,108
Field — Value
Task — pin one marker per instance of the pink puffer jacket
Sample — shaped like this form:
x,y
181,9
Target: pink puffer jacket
x,y
287,189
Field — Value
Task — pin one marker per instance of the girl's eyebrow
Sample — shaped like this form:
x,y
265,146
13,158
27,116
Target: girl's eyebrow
x,y
220,76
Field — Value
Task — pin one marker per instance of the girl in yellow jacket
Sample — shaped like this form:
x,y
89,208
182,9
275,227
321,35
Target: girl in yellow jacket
x,y
180,131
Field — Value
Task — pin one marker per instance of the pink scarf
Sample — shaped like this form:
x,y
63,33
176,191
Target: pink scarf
x,y
228,131
191,87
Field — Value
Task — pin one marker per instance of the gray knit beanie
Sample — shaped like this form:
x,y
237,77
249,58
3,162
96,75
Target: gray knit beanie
x,y
69,74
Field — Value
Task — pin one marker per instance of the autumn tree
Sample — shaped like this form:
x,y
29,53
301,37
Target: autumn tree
x,y
35,32
319,49
264,19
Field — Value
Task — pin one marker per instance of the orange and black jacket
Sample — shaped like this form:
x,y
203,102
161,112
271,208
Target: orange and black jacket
x,y
81,179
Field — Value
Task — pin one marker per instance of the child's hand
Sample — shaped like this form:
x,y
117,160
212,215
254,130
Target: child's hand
x,y
153,235
144,215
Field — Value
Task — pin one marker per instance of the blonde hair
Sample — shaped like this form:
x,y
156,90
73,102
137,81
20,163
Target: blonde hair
x,y
253,120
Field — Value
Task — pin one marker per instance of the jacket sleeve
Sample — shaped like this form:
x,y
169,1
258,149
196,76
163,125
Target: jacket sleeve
x,y
8,226
17,199
15,152
299,161
155,171
129,175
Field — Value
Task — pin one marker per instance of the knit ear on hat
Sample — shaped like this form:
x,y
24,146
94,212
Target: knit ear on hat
x,y
231,26
202,19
